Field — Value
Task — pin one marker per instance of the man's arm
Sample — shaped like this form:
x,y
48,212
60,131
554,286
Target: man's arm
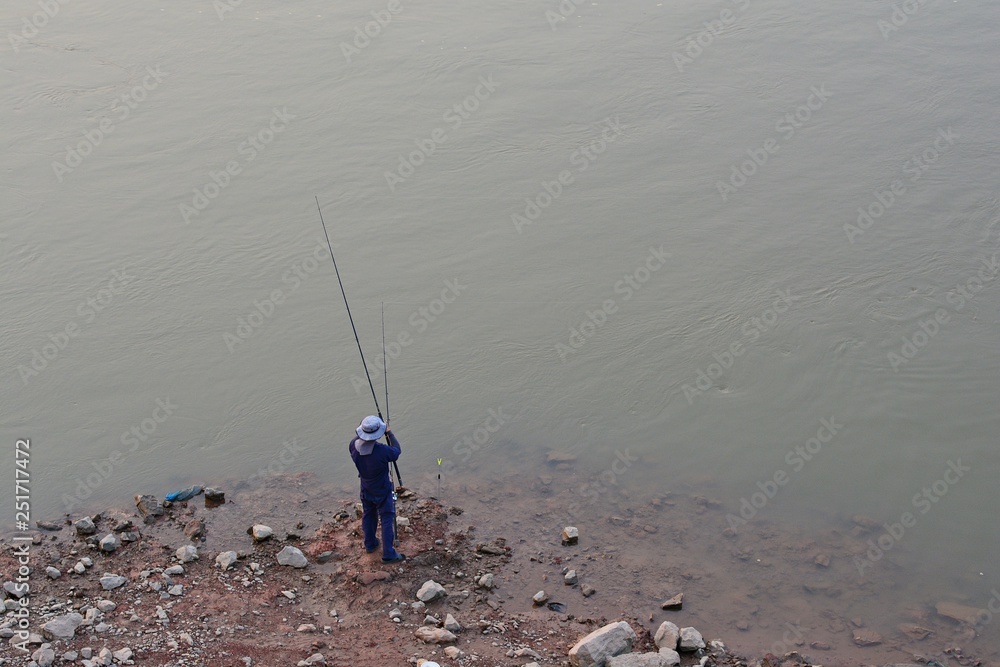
x,y
394,447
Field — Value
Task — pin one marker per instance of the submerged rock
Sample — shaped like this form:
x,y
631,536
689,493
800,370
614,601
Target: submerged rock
x,y
960,612
865,637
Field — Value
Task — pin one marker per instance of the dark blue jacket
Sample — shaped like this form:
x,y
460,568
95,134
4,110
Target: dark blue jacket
x,y
373,469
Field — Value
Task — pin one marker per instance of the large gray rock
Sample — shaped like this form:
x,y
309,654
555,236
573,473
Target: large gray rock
x,y
292,557
44,657
595,649
62,627
690,640
431,590
672,656
667,635
110,582
637,660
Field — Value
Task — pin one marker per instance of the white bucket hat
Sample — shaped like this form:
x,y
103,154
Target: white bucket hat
x,y
371,428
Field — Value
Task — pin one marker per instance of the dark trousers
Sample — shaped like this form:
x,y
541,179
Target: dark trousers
x,y
376,509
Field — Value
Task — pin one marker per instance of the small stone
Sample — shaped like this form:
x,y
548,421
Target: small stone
x,y
175,590
434,635
288,594
587,590
605,642
674,603
260,532
555,457
819,646
102,627
174,570
79,568
106,606
292,557
570,536
396,614
187,553
452,625
214,495
541,597
690,640
431,620
306,627
402,521
325,557
122,655
619,521
418,606
110,582
430,591
86,653
226,559
186,638
85,526
52,573
570,578
315,660
109,543
453,652
87,561
822,560
486,581
70,656
863,637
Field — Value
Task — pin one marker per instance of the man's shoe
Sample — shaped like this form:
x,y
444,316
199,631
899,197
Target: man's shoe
x,y
372,550
398,558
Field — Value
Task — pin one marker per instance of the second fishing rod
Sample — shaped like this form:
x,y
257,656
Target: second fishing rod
x,y
395,467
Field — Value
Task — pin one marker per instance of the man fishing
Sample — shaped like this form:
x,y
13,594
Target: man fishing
x,y
372,459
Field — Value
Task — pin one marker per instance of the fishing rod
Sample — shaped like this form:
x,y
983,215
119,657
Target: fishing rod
x,y
385,376
355,330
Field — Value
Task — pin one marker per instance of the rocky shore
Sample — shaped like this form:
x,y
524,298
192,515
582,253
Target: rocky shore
x,y
277,575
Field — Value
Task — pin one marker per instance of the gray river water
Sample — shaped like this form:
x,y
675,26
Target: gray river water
x,y
751,241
